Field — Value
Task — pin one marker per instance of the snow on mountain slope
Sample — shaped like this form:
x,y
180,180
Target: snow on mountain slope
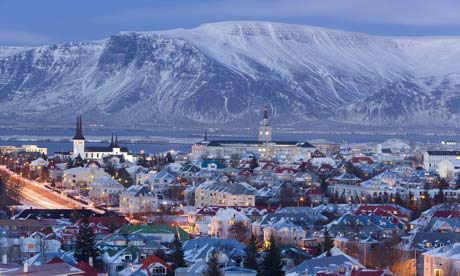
x,y
421,102
223,73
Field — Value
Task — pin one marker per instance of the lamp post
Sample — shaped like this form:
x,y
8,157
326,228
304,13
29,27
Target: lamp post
x,y
300,199
164,206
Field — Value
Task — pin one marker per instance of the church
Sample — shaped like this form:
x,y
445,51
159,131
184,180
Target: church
x,y
97,153
263,148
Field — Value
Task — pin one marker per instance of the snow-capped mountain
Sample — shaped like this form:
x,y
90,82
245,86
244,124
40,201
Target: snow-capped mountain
x,y
223,73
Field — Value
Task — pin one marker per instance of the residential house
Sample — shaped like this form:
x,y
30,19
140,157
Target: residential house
x,y
442,261
221,224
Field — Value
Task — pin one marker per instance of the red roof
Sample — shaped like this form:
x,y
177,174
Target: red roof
x,y
367,272
362,159
325,167
313,191
89,270
46,230
326,274
381,210
285,170
446,214
245,172
56,261
153,260
207,211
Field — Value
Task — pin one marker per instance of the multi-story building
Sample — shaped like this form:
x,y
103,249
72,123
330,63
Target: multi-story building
x,y
105,190
224,219
138,199
442,261
432,158
214,193
78,178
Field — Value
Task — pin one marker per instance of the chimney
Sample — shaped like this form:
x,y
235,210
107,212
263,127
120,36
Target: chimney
x,y
26,267
4,259
90,261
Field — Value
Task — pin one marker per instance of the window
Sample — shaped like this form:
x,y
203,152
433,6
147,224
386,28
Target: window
x,y
157,269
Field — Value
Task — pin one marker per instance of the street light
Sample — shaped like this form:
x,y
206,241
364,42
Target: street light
x,y
164,206
298,201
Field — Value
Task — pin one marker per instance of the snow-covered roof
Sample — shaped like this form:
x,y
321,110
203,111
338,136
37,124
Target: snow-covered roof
x,y
240,188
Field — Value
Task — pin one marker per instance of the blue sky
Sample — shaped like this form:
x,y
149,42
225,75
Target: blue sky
x,y
36,22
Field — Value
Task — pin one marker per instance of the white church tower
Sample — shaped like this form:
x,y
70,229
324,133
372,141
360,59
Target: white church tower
x,y
79,140
265,130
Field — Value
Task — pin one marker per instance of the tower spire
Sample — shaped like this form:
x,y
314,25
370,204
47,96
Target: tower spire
x,y
111,141
79,129
116,141
266,111
205,135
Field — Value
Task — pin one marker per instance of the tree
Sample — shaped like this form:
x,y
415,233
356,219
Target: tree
x,y
324,187
440,198
169,158
213,265
254,163
178,252
124,178
251,253
239,231
85,242
328,243
271,264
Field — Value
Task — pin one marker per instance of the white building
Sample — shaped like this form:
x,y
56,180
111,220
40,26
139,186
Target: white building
x,y
105,190
214,193
264,146
79,177
375,187
285,233
138,199
223,221
432,158
97,153
442,261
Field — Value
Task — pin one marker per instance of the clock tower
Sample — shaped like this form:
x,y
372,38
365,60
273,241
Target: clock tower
x,y
265,130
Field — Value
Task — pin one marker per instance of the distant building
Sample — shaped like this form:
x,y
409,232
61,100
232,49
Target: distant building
x,y
264,147
26,148
97,153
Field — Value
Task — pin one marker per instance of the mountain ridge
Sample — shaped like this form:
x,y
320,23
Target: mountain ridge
x,y
223,73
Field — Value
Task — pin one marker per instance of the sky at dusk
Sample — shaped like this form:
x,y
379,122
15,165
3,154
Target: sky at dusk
x,y
55,21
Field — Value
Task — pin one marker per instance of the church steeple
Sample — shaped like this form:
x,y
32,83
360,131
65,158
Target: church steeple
x,y
79,139
111,141
265,130
116,141
79,129
266,111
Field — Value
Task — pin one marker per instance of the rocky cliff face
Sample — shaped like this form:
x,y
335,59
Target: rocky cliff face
x,y
223,73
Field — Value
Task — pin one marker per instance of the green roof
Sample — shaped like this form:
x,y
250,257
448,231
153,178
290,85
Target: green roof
x,y
154,229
